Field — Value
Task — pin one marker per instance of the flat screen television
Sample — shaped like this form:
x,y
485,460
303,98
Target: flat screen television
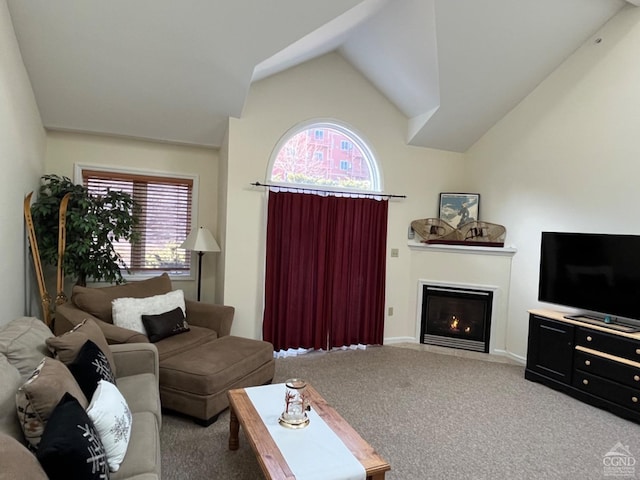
x,y
598,274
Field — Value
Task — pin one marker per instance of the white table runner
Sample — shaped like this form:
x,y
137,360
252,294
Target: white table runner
x,y
314,452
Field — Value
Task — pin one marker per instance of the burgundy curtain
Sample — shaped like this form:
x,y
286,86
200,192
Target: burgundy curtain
x,y
325,271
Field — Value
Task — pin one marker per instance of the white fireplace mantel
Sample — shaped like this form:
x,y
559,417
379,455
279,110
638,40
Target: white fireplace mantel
x,y
484,268
466,249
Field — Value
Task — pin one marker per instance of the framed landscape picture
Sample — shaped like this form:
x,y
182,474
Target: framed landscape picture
x,y
459,208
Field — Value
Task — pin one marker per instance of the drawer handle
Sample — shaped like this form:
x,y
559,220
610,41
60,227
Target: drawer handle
x,y
585,381
589,339
638,351
587,362
636,378
634,399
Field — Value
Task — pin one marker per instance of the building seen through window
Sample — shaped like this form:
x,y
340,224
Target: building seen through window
x,y
324,154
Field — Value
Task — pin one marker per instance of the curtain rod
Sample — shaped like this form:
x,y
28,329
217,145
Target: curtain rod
x,y
364,194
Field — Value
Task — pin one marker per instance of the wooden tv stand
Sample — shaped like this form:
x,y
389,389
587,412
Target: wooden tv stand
x,y
595,364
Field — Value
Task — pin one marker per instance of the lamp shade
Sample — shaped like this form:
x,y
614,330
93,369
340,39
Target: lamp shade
x,y
200,240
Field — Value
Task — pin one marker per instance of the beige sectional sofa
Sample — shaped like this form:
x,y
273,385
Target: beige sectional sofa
x,y
22,348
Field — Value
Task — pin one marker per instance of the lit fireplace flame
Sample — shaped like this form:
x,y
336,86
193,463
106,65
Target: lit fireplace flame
x,y
455,324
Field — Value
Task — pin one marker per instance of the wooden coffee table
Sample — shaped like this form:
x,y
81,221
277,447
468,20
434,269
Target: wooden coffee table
x,y
271,460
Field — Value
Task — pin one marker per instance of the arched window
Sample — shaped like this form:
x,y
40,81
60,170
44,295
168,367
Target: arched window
x,y
325,154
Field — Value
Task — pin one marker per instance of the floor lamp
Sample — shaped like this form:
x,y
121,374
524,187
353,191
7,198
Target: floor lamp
x,y
200,240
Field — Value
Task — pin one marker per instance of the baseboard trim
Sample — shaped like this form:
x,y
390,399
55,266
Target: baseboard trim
x,y
394,340
512,356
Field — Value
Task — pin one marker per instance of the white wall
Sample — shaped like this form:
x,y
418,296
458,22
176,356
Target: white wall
x,y
325,87
65,149
22,150
567,158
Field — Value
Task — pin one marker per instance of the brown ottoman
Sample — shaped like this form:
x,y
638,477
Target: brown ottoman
x,y
196,382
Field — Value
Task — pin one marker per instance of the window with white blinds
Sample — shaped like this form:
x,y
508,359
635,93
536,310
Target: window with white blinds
x,y
164,206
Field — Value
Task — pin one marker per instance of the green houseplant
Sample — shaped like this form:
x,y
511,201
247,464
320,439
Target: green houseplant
x,y
93,224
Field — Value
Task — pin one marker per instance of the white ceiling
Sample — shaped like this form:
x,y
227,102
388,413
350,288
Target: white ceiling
x,y
175,70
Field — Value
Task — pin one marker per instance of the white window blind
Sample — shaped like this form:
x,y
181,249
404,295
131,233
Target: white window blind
x,y
164,212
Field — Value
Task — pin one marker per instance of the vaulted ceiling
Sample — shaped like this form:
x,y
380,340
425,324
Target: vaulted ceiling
x,y
176,70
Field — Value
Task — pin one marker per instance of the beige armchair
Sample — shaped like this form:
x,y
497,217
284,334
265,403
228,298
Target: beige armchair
x,y
197,367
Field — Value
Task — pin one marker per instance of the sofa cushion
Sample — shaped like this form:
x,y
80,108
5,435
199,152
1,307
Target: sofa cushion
x,y
10,381
143,454
22,341
165,324
17,461
141,394
67,346
111,416
127,312
71,447
97,301
89,367
186,341
40,394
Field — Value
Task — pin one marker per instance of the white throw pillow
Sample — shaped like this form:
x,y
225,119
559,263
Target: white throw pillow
x,y
127,312
111,416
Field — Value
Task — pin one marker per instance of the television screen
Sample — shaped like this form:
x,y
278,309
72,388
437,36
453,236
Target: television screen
x,y
595,272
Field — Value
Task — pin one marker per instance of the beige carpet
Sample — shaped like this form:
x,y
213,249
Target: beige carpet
x,y
432,416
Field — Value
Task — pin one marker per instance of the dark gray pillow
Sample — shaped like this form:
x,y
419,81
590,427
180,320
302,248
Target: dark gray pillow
x,y
165,324
71,448
89,367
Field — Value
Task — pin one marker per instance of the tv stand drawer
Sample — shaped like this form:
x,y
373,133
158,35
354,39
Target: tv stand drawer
x,y
608,343
604,367
600,387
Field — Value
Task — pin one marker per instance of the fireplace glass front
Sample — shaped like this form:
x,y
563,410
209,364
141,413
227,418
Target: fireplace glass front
x,y
456,317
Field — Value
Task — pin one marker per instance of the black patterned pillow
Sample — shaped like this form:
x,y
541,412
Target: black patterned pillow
x,y
165,324
89,367
71,448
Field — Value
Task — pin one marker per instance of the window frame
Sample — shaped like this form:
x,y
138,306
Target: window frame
x,y
188,275
356,139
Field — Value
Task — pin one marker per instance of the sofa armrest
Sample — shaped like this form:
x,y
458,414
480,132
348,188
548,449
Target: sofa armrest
x,y
68,316
135,358
208,315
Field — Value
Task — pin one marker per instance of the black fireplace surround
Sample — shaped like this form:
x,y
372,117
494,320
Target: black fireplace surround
x,y
456,317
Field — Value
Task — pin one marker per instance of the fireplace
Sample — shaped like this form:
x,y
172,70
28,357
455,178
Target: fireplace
x,y
456,317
